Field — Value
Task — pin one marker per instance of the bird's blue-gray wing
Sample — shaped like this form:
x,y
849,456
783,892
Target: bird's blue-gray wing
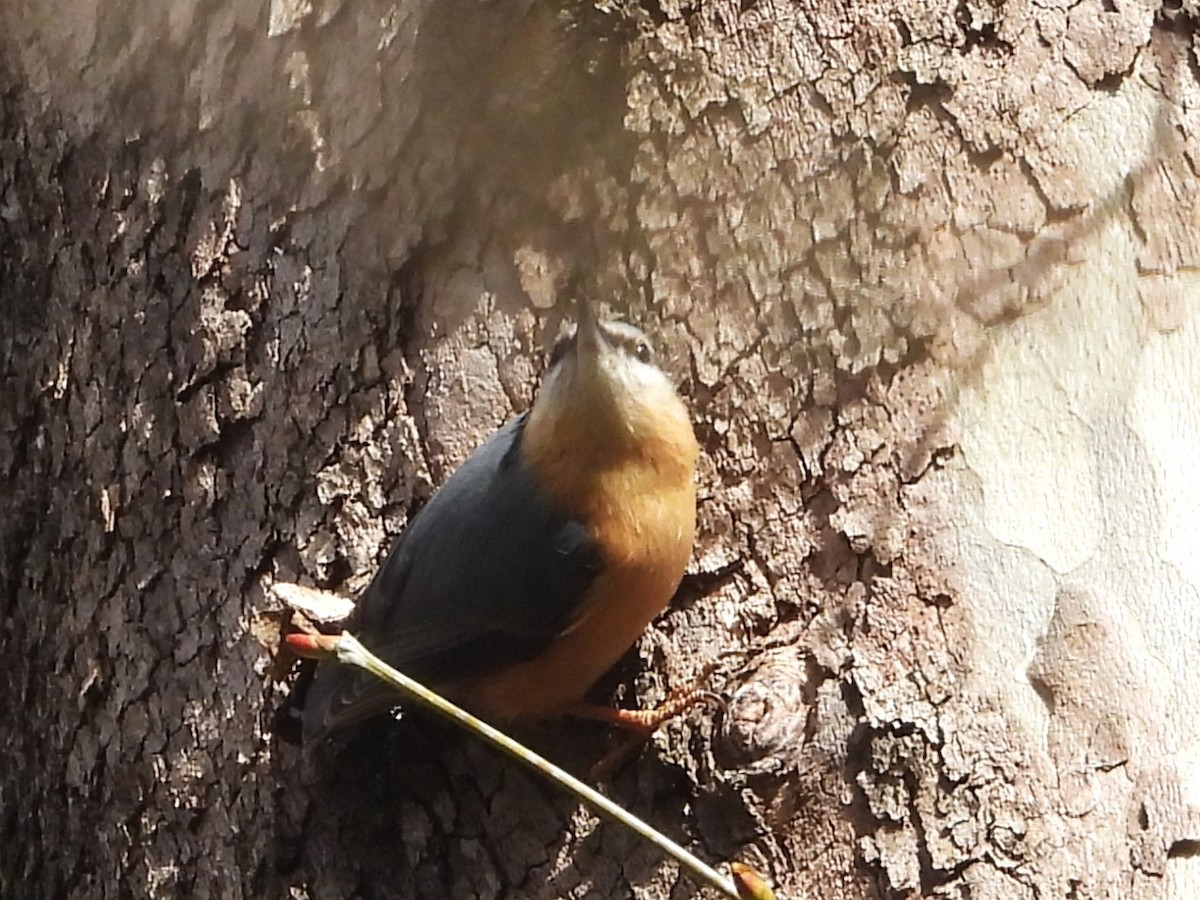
x,y
486,575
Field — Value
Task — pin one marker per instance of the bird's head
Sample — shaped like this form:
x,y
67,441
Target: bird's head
x,y
604,390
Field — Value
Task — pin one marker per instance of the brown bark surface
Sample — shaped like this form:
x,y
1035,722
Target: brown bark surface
x,y
269,272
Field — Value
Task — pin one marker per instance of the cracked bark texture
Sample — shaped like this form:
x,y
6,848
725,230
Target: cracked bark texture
x,y
926,274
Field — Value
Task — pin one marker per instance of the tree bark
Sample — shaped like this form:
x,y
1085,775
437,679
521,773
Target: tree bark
x,y
925,272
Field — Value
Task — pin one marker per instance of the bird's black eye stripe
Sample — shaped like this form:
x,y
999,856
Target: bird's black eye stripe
x,y
632,343
619,336
561,346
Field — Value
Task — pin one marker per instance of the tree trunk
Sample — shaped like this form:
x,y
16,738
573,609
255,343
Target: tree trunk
x,y
926,273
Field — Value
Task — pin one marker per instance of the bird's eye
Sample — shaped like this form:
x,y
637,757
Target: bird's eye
x,y
643,352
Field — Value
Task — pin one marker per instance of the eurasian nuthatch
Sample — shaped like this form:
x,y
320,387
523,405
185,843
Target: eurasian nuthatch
x,y
545,554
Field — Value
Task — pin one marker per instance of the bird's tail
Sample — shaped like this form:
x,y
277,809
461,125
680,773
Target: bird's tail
x,y
341,695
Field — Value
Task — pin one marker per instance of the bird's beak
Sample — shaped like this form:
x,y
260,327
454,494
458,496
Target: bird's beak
x,y
588,336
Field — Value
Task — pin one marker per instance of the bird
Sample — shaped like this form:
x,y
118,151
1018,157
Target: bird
x,y
544,556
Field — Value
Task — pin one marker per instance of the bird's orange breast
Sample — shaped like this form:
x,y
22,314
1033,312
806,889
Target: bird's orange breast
x,y
639,502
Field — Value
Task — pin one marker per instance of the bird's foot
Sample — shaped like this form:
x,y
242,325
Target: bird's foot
x,y
641,723
644,722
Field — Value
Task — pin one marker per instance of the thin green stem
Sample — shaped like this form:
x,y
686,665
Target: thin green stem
x,y
351,652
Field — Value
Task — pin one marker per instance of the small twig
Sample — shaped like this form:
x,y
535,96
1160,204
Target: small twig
x,y
348,650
